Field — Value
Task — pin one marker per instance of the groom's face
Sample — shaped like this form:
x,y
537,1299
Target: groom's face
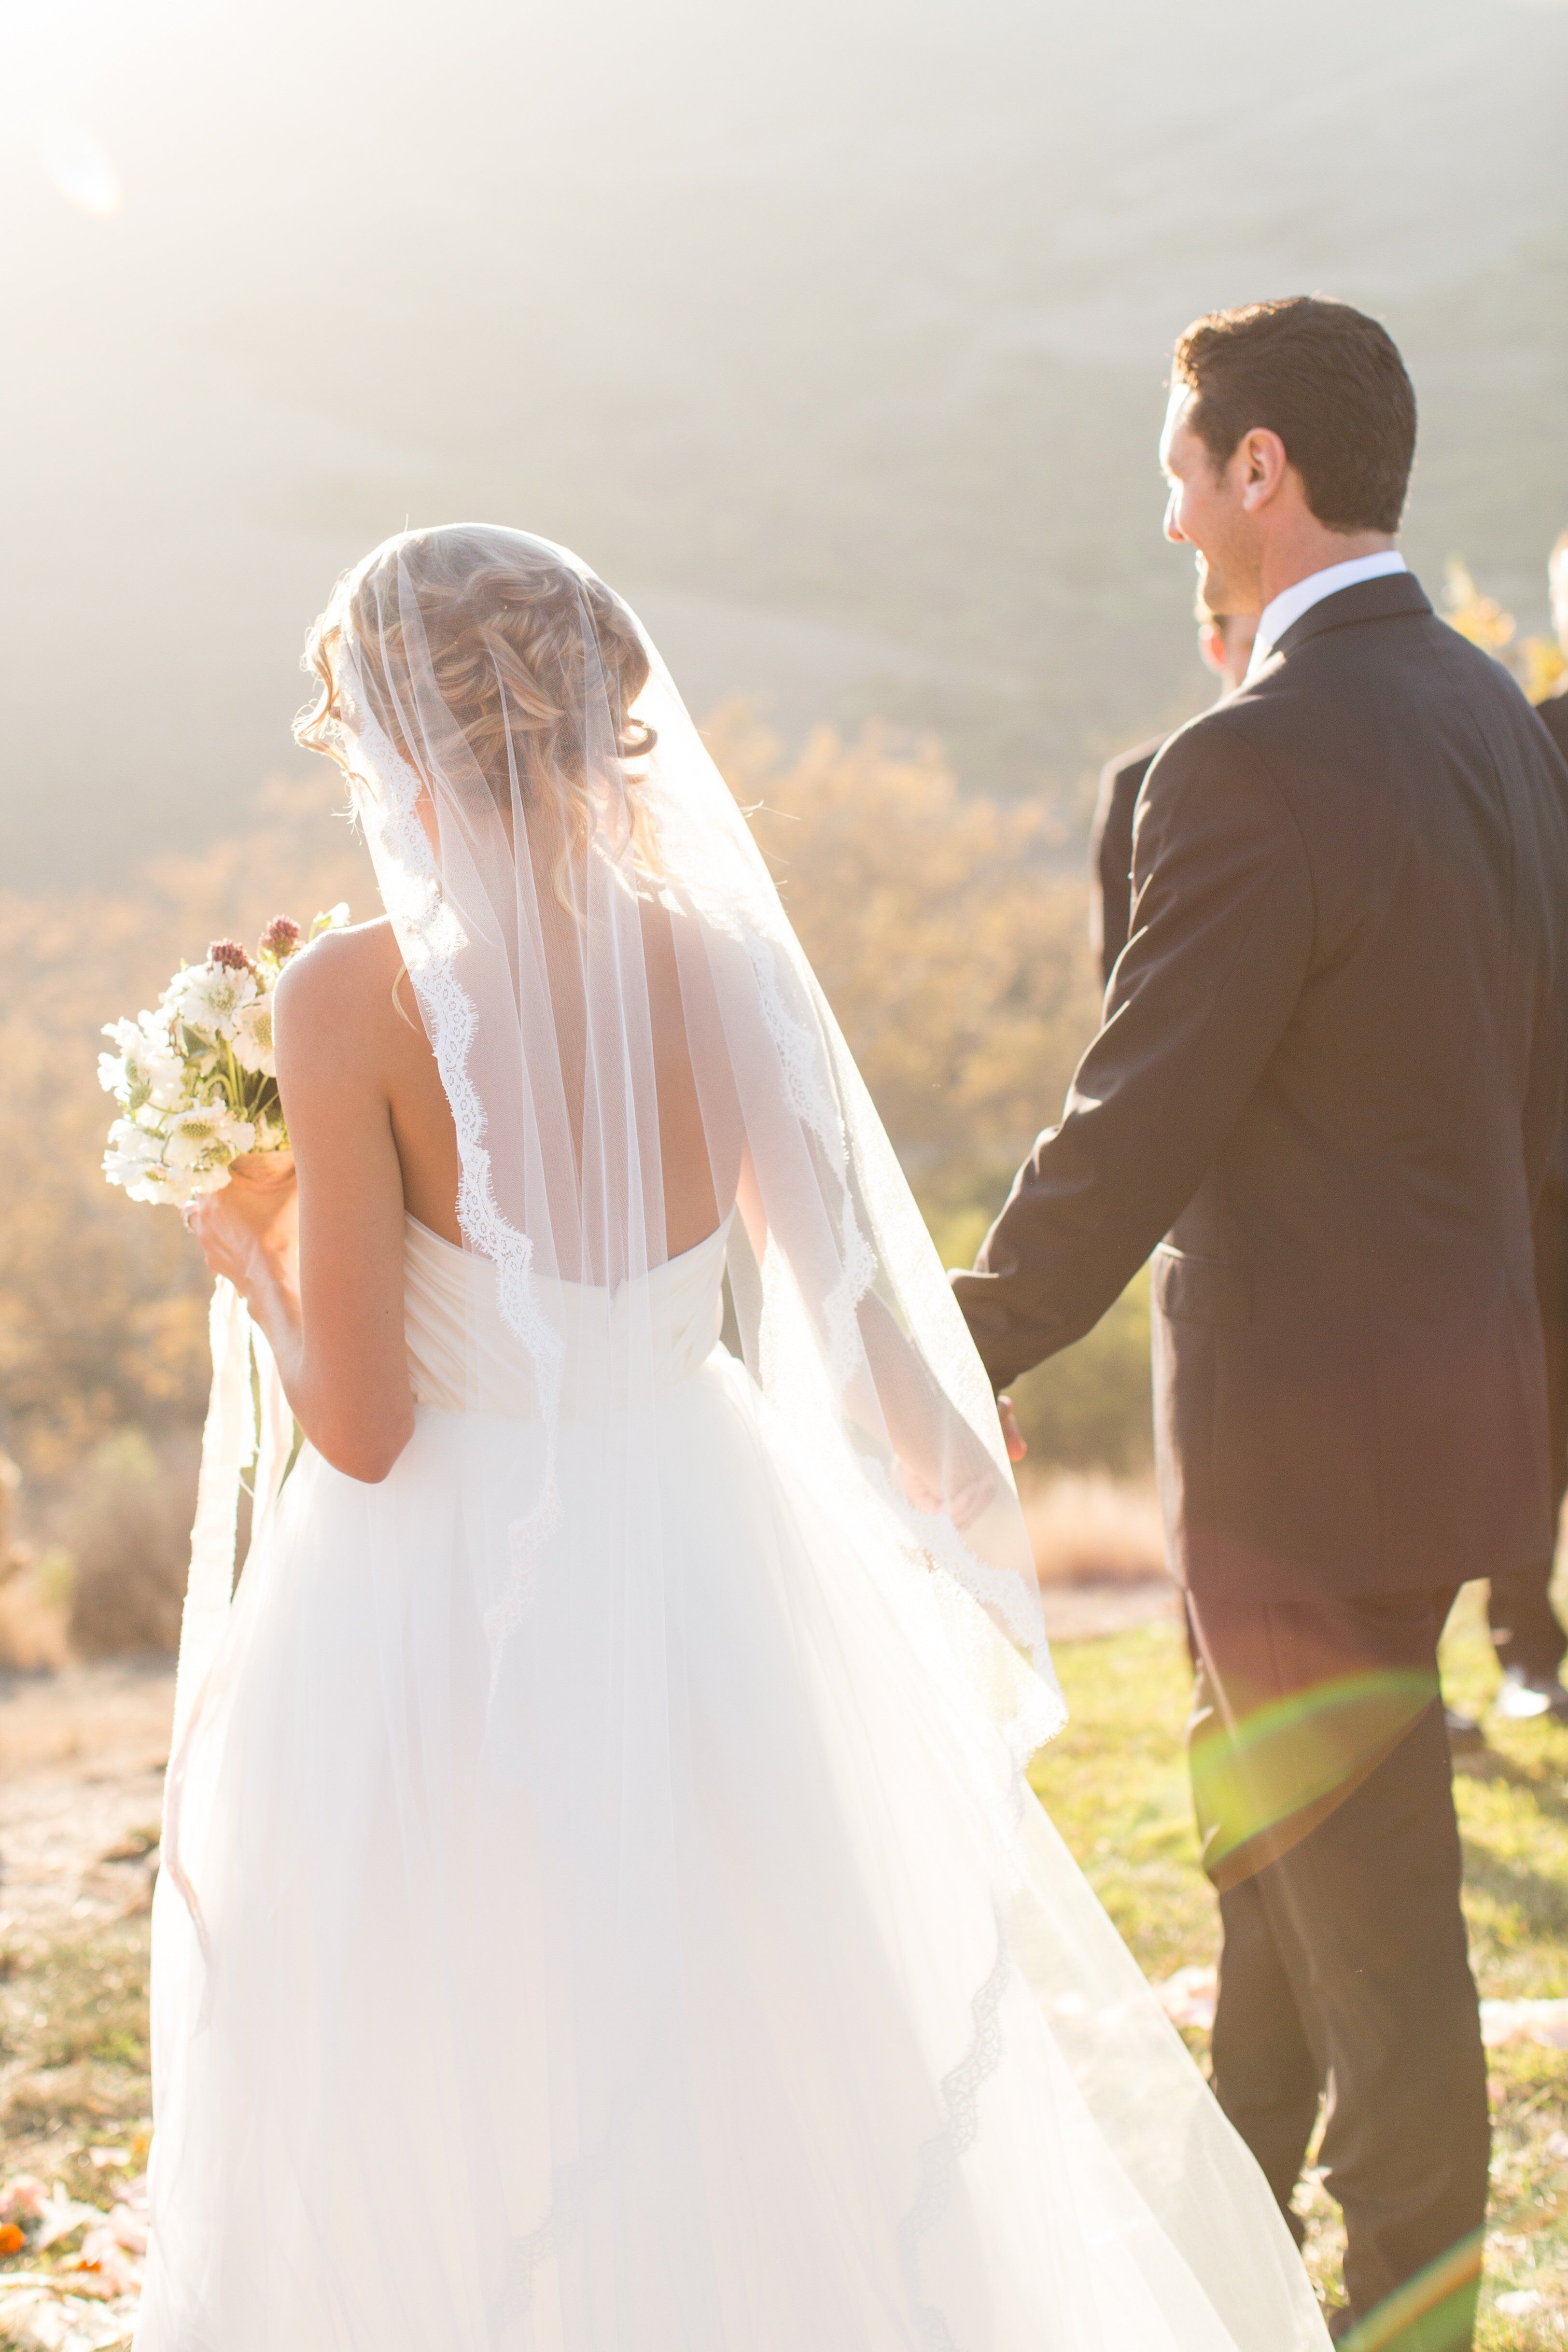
x,y
1207,509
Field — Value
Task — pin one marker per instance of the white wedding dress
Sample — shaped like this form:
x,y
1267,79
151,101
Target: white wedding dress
x,y
881,2096
604,1911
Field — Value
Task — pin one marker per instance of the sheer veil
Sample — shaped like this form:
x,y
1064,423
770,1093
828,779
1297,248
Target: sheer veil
x,y
674,1727
629,1034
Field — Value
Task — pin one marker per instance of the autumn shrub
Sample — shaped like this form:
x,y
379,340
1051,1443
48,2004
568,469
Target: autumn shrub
x,y
124,1524
34,1612
1536,662
949,934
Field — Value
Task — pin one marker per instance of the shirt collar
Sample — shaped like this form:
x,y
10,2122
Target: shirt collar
x,y
1291,602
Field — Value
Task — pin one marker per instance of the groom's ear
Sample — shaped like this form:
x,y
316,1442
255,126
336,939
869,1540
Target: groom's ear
x,y
1258,467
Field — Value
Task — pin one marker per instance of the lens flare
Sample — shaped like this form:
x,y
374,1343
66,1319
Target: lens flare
x,y
82,168
1264,1778
1432,2311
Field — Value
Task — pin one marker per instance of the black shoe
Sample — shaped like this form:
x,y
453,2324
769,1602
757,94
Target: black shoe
x,y
1464,1734
1522,1697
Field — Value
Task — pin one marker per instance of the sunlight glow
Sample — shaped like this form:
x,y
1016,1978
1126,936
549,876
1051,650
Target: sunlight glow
x,y
80,167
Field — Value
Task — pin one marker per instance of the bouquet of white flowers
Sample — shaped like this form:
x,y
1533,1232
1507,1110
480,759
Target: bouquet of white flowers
x,y
197,1087
196,1081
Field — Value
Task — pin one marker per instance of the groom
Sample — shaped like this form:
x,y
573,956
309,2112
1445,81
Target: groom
x,y
1325,1096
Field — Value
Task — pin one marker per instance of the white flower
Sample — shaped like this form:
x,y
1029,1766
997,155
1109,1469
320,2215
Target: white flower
x,y
210,997
334,920
135,1159
208,1136
172,1187
129,1135
131,1149
165,1188
253,1037
58,2215
159,1064
147,1067
114,2269
113,1069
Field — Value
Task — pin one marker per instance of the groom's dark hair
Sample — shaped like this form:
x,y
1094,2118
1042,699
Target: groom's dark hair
x,y
1329,381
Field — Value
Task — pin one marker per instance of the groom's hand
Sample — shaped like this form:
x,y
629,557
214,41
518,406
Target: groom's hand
x,y
1012,1436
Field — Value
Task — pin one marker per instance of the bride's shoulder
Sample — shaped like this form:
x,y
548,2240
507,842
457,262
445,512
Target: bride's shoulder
x,y
339,981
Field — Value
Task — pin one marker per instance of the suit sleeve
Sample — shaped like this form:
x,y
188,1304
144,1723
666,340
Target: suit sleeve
x,y
1222,933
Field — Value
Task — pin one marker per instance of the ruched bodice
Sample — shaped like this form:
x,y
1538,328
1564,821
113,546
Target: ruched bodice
x,y
617,1346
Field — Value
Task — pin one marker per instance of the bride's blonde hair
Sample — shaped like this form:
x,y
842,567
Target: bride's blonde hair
x,y
504,622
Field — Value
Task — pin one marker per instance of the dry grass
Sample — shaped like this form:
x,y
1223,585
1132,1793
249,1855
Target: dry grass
x,y
76,2033
1087,1528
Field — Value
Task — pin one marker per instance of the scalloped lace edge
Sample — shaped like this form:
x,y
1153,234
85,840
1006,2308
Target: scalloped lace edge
x,y
1000,1591
960,2095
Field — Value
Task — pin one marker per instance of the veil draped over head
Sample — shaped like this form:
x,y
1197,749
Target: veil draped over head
x,y
629,1034
611,1828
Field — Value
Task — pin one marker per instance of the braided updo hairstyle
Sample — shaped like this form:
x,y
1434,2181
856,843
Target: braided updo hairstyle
x,y
505,620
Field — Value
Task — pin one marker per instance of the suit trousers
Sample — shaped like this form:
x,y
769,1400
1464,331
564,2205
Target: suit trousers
x,y
1323,1785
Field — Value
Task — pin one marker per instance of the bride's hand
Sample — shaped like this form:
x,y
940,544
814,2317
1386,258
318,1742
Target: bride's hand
x,y
963,1505
248,1230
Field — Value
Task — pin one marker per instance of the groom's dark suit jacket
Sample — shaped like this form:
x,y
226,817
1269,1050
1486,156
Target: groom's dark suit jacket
x,y
1325,1094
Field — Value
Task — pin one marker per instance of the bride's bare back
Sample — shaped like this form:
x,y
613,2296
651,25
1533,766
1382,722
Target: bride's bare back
x,y
374,1137
377,1003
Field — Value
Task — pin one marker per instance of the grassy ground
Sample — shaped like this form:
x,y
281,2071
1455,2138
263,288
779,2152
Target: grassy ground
x,y
73,2057
74,2064
1115,1785
74,2019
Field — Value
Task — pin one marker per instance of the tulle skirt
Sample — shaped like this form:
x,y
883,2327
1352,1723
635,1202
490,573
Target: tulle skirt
x,y
700,1979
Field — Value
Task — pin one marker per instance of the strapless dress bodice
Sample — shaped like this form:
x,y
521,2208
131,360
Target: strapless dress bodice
x,y
617,1345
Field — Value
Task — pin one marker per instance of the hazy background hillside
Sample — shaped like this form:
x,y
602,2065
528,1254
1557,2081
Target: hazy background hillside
x,y
834,334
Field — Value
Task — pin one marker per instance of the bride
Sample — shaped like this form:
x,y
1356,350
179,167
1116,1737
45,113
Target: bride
x,y
604,1911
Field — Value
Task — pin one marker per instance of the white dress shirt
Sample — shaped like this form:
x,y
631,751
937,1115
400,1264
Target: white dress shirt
x,y
1291,602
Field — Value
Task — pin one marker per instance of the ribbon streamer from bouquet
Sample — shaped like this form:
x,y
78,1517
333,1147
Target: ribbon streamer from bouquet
x,y
237,1434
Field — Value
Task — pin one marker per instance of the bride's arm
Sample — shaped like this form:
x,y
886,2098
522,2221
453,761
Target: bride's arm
x,y
322,1270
